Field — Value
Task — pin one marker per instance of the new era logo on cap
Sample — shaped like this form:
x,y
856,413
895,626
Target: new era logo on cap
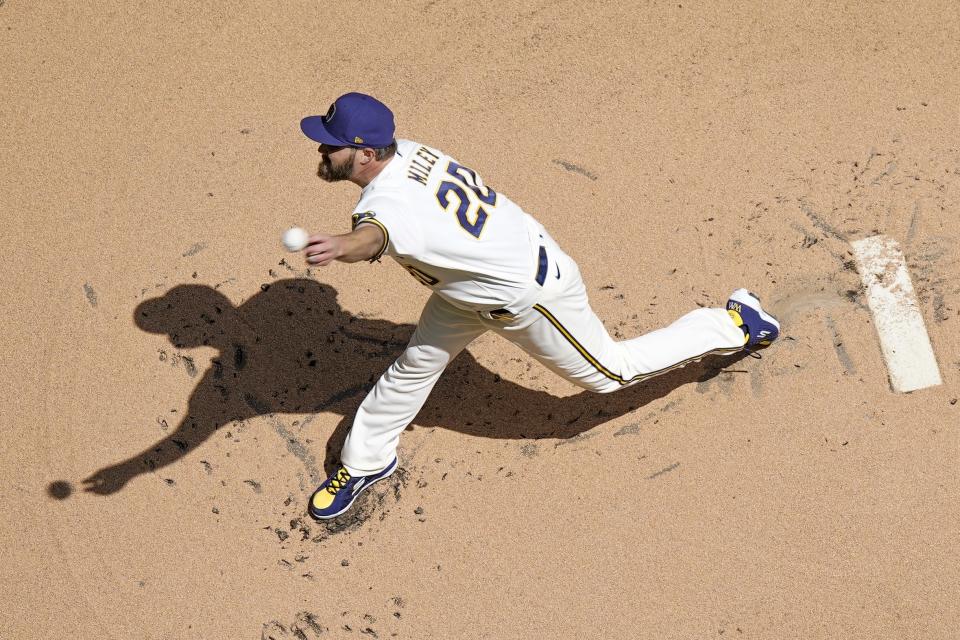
x,y
353,120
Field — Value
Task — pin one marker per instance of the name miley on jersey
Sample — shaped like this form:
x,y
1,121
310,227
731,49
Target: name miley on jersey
x,y
421,164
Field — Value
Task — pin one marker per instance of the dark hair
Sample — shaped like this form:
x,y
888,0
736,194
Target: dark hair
x,y
382,153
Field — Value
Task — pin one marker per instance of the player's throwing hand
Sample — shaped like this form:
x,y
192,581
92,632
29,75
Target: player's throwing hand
x,y
363,243
322,249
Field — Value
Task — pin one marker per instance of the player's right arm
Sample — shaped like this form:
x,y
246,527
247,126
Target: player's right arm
x,y
365,242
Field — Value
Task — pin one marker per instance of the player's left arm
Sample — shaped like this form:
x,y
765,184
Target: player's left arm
x,y
365,242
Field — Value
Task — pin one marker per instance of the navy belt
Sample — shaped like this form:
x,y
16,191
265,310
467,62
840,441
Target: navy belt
x,y
542,266
499,314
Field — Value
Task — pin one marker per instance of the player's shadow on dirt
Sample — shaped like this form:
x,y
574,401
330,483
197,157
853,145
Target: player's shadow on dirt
x,y
292,349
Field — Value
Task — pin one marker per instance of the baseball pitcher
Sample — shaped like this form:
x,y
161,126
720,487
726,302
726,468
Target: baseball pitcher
x,y
491,267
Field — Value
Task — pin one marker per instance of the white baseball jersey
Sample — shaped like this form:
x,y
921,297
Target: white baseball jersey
x,y
480,252
468,243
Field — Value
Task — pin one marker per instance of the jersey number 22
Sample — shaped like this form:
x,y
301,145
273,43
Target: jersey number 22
x,y
469,206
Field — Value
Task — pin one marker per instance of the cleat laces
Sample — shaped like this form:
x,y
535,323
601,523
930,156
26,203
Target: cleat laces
x,y
338,482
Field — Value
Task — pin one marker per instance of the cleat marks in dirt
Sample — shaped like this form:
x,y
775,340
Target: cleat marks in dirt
x,y
90,293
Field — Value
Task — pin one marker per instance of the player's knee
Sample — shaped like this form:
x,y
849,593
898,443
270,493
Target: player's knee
x,y
422,358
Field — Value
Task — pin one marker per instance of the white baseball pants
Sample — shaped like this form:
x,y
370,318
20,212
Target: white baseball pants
x,y
561,331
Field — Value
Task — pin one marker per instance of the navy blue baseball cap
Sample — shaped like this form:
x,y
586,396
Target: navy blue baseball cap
x,y
353,120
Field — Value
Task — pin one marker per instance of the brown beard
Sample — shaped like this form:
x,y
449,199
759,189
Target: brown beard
x,y
334,173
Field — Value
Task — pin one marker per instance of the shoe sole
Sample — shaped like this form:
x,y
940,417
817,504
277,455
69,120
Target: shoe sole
x,y
356,495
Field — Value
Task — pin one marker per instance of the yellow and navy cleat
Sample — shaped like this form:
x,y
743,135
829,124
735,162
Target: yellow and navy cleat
x,y
759,327
338,492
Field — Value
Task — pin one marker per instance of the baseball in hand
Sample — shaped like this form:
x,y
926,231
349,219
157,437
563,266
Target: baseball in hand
x,y
295,238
